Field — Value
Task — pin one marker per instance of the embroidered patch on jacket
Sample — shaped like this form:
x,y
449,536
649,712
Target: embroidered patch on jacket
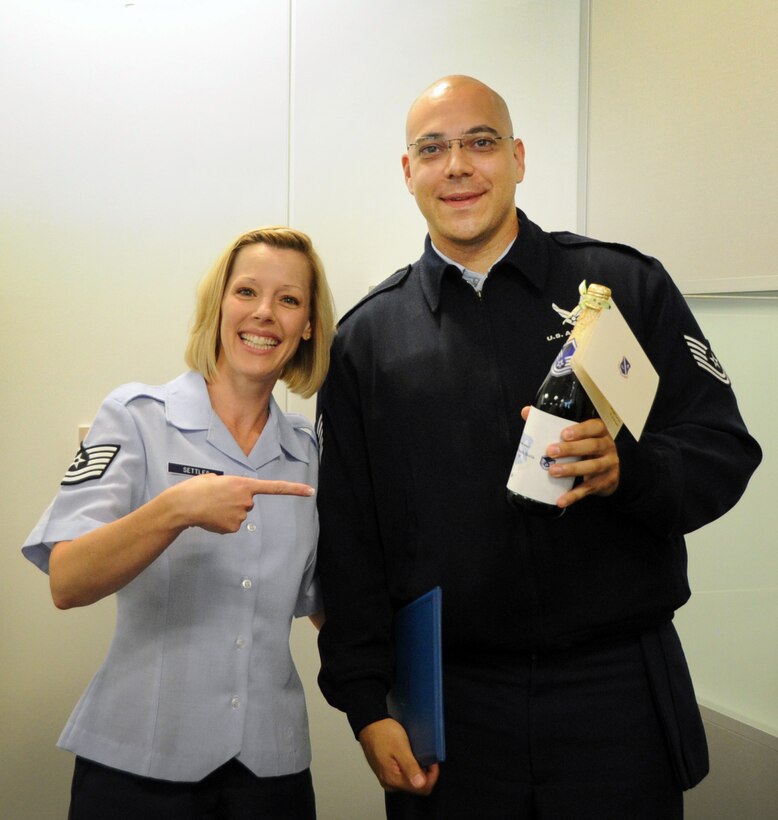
x,y
188,469
90,463
706,359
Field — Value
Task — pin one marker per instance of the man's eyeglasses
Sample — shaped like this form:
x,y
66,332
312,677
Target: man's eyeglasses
x,y
474,144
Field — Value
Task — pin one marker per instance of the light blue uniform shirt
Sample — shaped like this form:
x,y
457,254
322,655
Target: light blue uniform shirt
x,y
199,670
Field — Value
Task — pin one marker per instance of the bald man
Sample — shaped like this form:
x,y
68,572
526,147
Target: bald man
x,y
566,691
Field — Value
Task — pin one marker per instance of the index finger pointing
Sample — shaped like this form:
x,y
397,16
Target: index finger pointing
x,y
262,487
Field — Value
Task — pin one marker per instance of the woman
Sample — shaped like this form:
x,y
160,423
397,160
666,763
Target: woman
x,y
192,502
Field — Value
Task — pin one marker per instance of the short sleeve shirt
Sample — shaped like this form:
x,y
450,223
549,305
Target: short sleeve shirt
x,y
199,670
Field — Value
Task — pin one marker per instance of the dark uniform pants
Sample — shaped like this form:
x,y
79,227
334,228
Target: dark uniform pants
x,y
609,732
231,792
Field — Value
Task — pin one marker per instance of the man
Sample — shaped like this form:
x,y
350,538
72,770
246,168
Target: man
x,y
566,691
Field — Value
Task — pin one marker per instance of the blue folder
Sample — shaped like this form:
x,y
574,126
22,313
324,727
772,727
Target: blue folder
x,y
416,699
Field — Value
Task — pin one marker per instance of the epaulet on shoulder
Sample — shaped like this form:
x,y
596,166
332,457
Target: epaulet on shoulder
x,y
300,424
391,282
573,240
125,393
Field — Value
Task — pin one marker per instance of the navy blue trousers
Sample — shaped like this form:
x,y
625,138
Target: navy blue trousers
x,y
608,732
231,792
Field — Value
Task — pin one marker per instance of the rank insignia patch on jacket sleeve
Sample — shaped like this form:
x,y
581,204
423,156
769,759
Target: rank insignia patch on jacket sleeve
x,y
89,463
706,359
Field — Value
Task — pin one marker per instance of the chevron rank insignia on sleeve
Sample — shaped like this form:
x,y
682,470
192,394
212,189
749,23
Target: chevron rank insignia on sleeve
x,y
705,358
90,463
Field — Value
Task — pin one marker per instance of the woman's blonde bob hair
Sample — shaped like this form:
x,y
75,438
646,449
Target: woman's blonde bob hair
x,y
305,371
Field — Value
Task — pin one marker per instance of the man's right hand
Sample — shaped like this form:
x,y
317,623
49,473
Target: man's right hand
x,y
388,751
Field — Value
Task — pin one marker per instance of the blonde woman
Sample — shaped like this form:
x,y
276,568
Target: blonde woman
x,y
192,501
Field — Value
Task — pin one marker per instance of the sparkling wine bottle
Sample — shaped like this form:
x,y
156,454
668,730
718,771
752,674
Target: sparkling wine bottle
x,y
561,401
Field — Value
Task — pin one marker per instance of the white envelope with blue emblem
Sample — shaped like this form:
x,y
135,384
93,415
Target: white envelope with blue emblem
x,y
616,373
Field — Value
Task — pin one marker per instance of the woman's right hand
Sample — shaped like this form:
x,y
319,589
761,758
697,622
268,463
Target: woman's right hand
x,y
106,559
220,503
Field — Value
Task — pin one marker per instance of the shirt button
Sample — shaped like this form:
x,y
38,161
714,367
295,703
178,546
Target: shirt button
x,y
240,643
235,703
252,527
246,583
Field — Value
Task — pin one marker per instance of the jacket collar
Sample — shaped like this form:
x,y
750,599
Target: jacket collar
x,y
527,257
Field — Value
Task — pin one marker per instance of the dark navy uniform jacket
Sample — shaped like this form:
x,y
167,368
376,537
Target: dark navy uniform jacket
x,y
420,418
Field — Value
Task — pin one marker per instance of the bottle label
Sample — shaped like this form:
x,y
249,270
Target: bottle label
x,y
563,362
529,476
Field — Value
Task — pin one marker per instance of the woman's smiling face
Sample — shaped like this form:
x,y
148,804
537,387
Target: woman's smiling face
x,y
265,312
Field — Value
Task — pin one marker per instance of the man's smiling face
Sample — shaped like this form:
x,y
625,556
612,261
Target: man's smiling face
x,y
467,198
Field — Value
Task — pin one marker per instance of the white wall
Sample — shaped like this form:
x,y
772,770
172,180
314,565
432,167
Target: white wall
x,y
135,142
729,626
351,92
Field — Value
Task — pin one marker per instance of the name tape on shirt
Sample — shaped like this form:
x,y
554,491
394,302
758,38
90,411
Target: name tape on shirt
x,y
188,469
90,463
706,359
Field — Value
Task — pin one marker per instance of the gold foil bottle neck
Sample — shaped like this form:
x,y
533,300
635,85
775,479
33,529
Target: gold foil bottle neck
x,y
594,299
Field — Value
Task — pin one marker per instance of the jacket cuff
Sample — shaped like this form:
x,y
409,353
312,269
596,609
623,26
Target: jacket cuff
x,y
366,703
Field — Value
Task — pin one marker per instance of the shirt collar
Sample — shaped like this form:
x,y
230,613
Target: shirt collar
x,y
471,277
188,407
187,404
527,256
286,433
462,268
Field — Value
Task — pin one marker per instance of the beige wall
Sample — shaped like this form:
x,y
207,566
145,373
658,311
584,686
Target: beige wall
x,y
682,114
